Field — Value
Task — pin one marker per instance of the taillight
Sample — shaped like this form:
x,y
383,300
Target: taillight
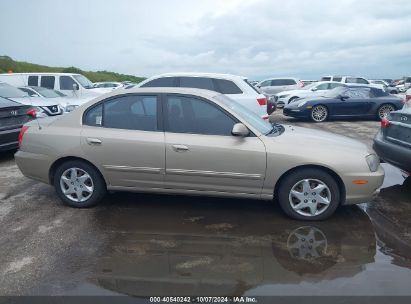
x,y
32,113
262,101
385,123
407,98
22,131
301,84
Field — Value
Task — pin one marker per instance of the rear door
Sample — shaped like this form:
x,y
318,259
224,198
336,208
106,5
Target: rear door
x,y
124,137
201,153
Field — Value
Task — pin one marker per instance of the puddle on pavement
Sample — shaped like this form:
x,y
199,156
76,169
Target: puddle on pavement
x,y
175,245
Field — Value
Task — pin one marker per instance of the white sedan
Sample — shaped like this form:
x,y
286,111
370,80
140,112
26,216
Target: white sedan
x,y
315,89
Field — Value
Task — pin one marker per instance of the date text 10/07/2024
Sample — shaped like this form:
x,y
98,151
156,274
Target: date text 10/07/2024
x,y
203,300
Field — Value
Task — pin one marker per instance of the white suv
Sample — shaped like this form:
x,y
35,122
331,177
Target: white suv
x,y
352,81
236,87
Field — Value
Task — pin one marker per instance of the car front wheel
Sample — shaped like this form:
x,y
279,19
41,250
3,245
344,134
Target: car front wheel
x,y
309,194
78,184
319,113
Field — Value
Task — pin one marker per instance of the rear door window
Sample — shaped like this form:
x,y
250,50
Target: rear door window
x,y
282,82
164,82
227,87
197,82
47,82
131,112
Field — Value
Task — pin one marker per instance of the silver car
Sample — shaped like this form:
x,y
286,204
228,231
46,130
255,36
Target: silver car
x,y
276,85
195,142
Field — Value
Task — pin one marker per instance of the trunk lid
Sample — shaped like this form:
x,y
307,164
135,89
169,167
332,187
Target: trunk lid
x,y
399,130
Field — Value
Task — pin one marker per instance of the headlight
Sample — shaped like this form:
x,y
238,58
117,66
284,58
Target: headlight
x,y
284,96
70,108
373,162
40,112
301,104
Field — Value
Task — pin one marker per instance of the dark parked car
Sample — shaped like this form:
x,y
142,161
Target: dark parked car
x,y
393,142
12,116
345,102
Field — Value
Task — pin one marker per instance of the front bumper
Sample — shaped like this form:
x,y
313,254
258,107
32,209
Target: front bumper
x,y
363,193
296,112
392,153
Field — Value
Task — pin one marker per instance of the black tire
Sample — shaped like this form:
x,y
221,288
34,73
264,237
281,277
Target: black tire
x,y
384,106
292,99
98,184
313,116
394,92
297,176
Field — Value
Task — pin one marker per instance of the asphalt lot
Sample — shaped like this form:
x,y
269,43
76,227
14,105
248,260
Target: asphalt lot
x,y
145,245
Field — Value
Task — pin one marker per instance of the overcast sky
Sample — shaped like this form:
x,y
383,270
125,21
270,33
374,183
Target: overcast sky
x,y
254,38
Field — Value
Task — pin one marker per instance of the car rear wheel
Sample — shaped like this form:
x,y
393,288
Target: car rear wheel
x,y
319,113
78,184
384,110
309,194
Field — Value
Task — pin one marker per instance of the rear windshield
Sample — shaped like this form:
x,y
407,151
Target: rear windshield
x,y
253,87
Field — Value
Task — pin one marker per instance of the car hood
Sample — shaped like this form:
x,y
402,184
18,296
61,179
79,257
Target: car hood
x,y
313,141
35,101
291,92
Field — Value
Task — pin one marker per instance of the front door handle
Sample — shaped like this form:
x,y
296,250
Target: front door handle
x,y
94,141
180,148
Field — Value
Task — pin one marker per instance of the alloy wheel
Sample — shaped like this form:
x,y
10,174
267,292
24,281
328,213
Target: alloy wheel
x,y
76,184
319,113
385,110
310,197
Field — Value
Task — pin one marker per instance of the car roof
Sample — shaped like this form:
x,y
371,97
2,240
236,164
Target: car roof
x,y
195,74
171,90
43,73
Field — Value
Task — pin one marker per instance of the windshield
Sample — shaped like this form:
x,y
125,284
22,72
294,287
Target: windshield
x,y
334,92
84,82
253,119
310,86
9,91
47,93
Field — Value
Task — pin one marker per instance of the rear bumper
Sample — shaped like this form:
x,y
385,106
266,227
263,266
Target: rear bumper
x,y
392,153
9,139
35,166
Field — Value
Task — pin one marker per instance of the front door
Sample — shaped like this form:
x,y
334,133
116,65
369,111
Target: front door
x,y
127,141
201,153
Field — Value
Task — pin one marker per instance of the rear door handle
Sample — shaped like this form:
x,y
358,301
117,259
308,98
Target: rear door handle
x,y
94,141
180,148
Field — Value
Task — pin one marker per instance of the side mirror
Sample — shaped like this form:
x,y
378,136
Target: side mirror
x,y
75,87
314,89
240,130
343,97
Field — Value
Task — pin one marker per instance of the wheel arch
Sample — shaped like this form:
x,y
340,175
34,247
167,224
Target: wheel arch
x,y
58,162
336,177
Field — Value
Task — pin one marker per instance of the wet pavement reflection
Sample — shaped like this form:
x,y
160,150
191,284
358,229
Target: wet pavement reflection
x,y
172,245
